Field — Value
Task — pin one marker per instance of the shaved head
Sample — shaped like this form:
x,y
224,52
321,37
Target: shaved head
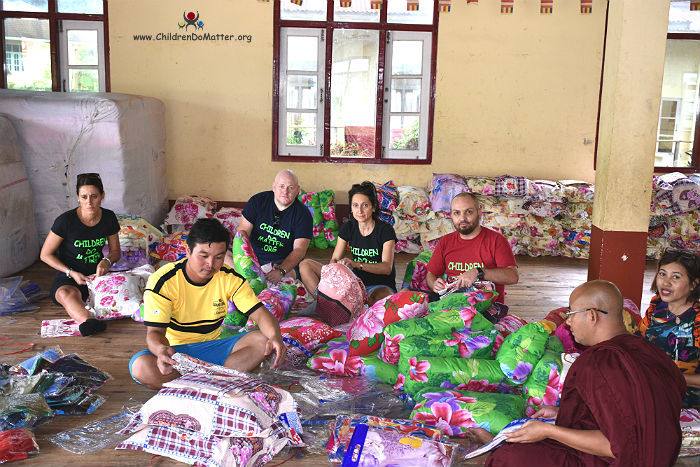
x,y
596,312
287,174
600,294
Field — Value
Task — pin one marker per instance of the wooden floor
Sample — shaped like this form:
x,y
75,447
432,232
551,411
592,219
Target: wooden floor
x,y
545,284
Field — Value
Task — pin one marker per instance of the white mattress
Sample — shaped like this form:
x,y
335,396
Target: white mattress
x,y
120,136
19,245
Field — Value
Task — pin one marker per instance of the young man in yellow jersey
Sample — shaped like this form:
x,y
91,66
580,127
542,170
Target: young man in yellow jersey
x,y
185,303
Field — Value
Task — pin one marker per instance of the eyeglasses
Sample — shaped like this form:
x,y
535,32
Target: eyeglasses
x,y
569,312
276,223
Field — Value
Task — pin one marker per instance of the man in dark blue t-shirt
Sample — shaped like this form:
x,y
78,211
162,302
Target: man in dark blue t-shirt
x,y
279,226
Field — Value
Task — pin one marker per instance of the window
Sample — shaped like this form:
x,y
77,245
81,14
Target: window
x,y
354,83
54,45
677,145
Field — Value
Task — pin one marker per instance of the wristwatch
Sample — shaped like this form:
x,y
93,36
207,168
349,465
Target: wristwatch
x,y
284,273
480,274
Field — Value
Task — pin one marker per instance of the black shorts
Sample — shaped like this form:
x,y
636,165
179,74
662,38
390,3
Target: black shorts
x,y
60,280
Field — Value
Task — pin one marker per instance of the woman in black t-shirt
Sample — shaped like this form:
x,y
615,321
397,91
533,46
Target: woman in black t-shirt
x,y
371,243
74,248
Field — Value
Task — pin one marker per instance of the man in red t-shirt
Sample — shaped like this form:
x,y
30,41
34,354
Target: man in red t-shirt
x,y
472,253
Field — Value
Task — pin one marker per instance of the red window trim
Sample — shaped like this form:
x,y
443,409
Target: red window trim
x,y
382,26
53,16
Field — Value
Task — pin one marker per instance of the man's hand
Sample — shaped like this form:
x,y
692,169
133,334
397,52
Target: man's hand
x,y
164,362
274,276
439,284
277,346
479,434
467,279
546,411
531,432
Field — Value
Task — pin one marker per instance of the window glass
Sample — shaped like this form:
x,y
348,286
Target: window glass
x,y
25,5
358,11
676,130
309,10
354,93
301,129
80,6
398,12
82,47
681,19
301,91
27,43
84,80
302,53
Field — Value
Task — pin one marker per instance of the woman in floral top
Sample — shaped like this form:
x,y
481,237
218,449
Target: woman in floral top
x,y
673,319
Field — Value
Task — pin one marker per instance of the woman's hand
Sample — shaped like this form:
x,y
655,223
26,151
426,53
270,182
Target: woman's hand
x,y
79,278
348,262
102,268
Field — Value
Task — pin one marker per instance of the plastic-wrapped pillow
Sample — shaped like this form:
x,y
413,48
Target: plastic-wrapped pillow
x,y
414,204
444,187
479,299
366,332
543,385
455,411
417,272
188,209
521,351
435,324
554,319
333,358
246,263
341,295
509,324
118,294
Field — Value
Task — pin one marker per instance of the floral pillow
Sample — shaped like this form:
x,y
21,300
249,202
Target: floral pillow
x,y
444,187
417,272
476,374
388,198
302,336
521,351
543,385
480,299
229,218
366,333
455,411
172,247
509,324
246,263
437,324
118,294
188,209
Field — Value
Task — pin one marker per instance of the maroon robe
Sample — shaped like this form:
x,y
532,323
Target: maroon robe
x,y
625,387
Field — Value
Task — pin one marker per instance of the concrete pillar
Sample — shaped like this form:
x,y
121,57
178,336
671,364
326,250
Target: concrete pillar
x,y
633,73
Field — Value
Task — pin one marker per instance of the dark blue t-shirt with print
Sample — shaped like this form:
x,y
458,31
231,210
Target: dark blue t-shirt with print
x,y
274,231
370,249
81,248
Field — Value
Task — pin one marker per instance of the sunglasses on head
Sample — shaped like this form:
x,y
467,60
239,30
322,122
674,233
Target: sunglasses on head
x,y
88,176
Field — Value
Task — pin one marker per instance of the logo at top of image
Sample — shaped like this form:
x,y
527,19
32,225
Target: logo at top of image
x,y
191,19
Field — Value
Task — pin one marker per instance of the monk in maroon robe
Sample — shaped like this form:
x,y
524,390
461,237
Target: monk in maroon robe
x,y
621,400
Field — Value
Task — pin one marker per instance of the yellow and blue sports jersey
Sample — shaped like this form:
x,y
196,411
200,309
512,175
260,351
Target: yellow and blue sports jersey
x,y
192,312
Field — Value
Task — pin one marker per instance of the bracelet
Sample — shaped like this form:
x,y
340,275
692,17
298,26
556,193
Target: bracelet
x,y
284,273
68,272
108,260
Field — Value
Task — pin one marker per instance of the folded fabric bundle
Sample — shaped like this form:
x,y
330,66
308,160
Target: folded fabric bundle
x,y
410,244
60,328
577,191
454,411
510,185
502,205
388,198
543,386
303,336
186,210
544,191
321,205
17,444
481,185
417,272
171,247
436,228
134,234
341,295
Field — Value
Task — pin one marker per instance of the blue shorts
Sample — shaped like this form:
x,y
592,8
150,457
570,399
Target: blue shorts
x,y
216,351
372,288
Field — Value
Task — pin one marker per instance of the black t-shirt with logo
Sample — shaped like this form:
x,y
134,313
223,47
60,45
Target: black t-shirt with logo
x,y
369,250
272,239
81,248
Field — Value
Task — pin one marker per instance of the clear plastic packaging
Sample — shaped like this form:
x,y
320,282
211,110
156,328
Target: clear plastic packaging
x,y
12,299
23,411
99,434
